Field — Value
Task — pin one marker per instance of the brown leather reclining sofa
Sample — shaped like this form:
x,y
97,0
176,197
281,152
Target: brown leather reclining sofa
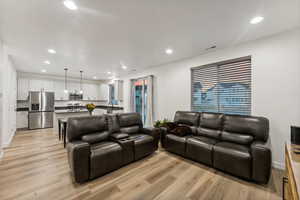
x,y
231,143
100,144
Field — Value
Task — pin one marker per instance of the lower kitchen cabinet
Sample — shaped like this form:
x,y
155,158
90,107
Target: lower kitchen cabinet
x,y
22,119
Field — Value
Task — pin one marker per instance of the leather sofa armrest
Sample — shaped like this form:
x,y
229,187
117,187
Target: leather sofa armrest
x,y
79,159
118,136
154,132
261,158
163,133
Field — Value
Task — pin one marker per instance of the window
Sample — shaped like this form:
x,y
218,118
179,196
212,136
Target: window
x,y
223,87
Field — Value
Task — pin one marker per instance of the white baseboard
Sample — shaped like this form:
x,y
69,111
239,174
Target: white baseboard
x,y
7,143
278,165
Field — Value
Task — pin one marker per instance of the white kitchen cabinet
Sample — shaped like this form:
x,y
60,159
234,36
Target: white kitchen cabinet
x,y
48,85
59,88
35,85
22,119
23,89
90,91
38,85
103,92
74,87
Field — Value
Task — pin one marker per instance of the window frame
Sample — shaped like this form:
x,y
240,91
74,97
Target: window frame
x,y
224,62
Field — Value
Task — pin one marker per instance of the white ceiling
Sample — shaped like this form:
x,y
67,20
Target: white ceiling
x,y
101,33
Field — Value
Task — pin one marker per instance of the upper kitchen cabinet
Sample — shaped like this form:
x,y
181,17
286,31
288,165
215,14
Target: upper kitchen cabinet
x,y
103,92
90,91
48,86
35,85
38,85
59,88
23,88
74,87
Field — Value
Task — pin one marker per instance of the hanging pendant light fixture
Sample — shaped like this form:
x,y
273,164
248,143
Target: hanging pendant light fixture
x,y
66,88
81,90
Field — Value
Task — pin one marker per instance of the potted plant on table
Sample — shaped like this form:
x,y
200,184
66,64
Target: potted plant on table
x,y
90,107
161,123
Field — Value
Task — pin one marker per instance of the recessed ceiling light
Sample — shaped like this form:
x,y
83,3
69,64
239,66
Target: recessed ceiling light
x,y
124,67
256,20
70,4
43,70
51,51
169,51
94,77
108,72
47,62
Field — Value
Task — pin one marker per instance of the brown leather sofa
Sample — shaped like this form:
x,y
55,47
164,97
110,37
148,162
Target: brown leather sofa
x,y
100,144
232,143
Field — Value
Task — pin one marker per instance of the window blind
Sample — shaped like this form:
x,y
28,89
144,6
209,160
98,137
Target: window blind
x,y
222,87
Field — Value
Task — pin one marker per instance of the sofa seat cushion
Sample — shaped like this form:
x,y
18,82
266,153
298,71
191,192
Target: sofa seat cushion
x,y
105,157
200,149
175,144
233,158
181,130
207,132
95,137
143,145
237,138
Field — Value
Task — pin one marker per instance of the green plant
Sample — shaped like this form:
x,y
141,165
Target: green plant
x,y
90,107
161,123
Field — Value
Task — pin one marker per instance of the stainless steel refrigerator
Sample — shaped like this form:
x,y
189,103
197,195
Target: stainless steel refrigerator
x,y
41,110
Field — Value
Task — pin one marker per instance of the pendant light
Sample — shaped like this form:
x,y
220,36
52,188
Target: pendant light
x,y
66,88
81,91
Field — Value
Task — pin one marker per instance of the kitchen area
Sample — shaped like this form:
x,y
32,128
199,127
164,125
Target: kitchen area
x,y
43,99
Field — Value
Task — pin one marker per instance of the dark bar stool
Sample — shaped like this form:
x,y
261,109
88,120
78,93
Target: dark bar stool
x,y
62,130
59,128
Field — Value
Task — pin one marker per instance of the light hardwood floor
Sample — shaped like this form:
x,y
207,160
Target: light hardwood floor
x,y
35,167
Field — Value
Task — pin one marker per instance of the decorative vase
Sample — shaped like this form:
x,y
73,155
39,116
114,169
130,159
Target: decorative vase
x,y
91,113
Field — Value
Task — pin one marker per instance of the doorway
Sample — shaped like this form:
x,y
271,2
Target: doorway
x,y
140,97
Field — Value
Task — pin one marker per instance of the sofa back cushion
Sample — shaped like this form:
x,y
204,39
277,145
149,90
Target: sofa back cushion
x,y
187,118
211,125
113,123
79,126
130,123
245,129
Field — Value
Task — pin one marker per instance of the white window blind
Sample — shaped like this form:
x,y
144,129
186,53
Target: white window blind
x,y
222,87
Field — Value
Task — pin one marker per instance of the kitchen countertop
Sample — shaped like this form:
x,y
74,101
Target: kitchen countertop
x,y
70,112
64,108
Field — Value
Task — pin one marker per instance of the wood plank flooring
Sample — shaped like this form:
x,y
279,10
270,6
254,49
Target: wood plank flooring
x,y
35,167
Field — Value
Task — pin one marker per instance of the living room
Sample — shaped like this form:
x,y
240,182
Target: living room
x,y
149,104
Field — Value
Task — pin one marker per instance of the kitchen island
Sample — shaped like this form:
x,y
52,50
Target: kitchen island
x,y
62,112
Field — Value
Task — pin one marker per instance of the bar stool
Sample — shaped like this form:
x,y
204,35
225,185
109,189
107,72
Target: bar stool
x,y
63,124
59,128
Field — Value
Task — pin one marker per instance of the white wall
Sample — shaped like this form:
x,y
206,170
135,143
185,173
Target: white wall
x,y
8,77
275,84
1,94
